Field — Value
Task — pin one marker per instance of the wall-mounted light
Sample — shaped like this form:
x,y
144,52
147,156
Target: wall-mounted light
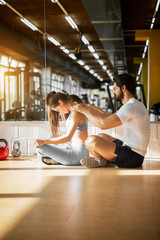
x,y
2,2
71,22
29,24
84,39
54,41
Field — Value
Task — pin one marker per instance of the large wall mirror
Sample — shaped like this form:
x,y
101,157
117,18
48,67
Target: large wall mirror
x,y
30,65
40,52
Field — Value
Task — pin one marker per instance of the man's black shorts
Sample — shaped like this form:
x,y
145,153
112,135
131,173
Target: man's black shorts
x,y
126,158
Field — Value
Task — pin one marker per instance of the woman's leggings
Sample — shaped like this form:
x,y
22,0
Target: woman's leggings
x,y
66,154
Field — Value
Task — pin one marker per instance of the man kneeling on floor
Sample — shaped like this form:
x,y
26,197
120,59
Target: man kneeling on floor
x,y
135,120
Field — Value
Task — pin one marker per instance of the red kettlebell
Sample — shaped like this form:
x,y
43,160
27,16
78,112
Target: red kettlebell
x,y
4,152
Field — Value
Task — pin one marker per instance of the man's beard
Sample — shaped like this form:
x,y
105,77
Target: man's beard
x,y
119,97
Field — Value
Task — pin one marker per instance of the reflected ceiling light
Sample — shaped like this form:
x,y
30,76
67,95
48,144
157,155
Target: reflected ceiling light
x,y
54,1
71,55
95,74
147,42
96,55
87,67
64,49
91,49
54,41
29,24
101,62
101,79
2,2
71,22
84,39
80,62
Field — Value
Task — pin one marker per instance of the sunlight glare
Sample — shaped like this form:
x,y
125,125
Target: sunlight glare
x,y
138,172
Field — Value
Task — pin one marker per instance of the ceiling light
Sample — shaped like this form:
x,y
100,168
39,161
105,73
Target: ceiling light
x,y
96,55
64,49
71,55
157,6
143,56
2,2
54,1
91,49
95,74
29,24
152,24
140,68
91,71
84,39
145,49
80,62
71,22
87,67
147,42
104,68
54,41
101,62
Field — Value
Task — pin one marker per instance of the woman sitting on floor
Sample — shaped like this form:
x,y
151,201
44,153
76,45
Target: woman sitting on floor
x,y
54,149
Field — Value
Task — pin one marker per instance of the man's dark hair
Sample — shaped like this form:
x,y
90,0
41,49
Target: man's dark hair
x,y
128,81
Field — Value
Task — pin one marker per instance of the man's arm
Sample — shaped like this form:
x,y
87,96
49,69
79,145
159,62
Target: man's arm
x,y
99,118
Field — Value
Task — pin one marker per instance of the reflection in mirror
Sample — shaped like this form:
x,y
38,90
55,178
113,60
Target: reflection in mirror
x,y
26,74
22,91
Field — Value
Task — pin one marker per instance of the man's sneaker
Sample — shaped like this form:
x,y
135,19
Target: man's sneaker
x,y
92,162
48,161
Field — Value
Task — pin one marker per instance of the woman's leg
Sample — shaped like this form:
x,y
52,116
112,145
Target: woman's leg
x,y
61,155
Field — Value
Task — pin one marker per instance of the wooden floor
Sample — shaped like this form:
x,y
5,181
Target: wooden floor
x,y
40,202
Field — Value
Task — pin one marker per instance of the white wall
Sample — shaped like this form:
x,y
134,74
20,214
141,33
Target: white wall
x,y
27,132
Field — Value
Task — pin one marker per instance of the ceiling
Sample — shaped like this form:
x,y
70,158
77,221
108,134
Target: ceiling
x,y
109,26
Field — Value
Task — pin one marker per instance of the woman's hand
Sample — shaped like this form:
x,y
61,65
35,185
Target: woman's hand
x,y
39,142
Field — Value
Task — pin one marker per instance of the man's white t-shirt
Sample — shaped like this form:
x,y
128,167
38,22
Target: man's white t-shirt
x,y
136,124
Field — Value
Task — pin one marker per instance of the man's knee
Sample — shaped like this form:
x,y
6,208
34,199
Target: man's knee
x,y
91,141
101,135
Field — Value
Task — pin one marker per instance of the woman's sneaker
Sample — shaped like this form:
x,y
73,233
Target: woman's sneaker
x,y
92,162
48,161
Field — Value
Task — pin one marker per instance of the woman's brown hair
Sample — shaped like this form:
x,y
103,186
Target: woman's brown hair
x,y
52,99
